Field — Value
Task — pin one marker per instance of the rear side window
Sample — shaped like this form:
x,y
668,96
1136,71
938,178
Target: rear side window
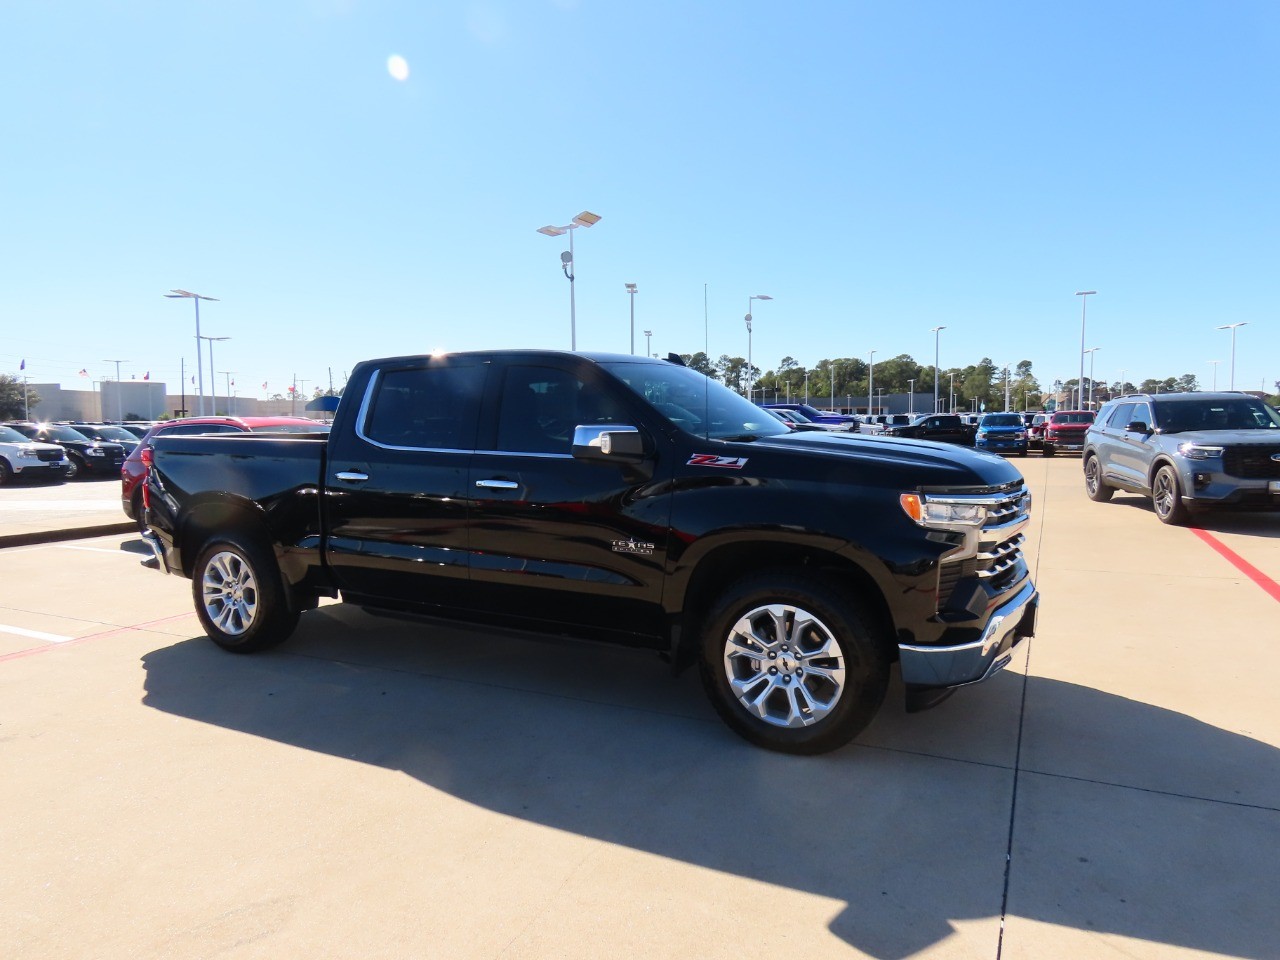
x,y
426,408
196,429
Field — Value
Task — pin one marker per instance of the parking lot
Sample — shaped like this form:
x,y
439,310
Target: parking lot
x,y
375,788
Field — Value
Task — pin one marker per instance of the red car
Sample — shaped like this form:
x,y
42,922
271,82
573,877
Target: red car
x,y
1065,431
134,468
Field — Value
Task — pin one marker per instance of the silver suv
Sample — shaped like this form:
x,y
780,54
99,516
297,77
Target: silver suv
x,y
1186,451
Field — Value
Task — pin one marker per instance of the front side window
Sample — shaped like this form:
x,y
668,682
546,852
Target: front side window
x,y
542,405
426,408
695,403
1243,413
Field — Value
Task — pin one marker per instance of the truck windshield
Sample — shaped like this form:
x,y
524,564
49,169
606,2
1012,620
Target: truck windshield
x,y
1002,420
695,403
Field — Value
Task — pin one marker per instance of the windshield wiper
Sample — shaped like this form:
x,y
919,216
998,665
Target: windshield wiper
x,y
741,438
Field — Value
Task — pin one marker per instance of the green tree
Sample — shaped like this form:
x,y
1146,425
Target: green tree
x,y
699,361
12,406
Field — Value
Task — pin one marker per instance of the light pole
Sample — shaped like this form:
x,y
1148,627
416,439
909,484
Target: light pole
x,y
177,294
1214,364
1123,389
647,335
937,333
585,219
631,289
1232,327
231,412
1091,351
750,379
871,379
213,384
1085,295
119,401
806,385
951,407
911,397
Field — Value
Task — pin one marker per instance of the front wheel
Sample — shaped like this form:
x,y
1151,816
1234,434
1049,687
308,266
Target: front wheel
x,y
1166,496
1046,451
6,472
790,664
239,597
1094,485
75,467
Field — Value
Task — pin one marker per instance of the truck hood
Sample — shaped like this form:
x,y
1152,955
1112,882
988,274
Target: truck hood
x,y
930,463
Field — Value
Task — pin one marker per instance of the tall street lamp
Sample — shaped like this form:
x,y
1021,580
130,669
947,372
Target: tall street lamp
x,y
213,384
1091,351
119,401
951,406
911,396
937,332
1232,327
750,378
631,289
871,379
1214,364
178,294
1085,295
647,335
585,219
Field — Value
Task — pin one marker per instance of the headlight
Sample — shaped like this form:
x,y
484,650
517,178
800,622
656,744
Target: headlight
x,y
1199,451
95,452
940,512
28,454
1020,435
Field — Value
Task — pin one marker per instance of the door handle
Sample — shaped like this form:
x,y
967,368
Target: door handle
x,y
498,484
351,476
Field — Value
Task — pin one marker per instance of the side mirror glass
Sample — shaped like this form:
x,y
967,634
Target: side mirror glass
x,y
1137,426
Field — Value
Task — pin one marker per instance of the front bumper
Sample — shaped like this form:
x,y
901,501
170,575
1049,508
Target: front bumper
x,y
954,666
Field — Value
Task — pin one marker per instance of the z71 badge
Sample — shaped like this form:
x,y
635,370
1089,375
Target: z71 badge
x,y
711,460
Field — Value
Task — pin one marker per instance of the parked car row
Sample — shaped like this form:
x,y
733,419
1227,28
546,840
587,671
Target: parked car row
x,y
79,454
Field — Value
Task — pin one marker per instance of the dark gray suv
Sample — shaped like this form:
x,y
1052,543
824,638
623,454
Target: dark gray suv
x,y
1186,451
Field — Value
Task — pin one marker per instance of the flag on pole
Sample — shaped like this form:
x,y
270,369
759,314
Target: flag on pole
x,y
147,375
22,365
193,381
84,372
264,384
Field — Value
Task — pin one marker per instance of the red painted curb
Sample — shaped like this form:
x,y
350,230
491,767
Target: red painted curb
x,y
1240,563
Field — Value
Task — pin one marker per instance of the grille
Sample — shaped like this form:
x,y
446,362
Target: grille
x,y
1251,463
48,456
996,564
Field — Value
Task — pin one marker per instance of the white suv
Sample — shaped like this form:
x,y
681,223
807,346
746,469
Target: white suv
x,y
20,457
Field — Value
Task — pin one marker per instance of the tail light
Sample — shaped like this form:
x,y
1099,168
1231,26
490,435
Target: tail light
x,y
147,459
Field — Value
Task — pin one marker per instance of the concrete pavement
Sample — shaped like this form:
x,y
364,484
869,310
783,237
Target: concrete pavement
x,y
381,789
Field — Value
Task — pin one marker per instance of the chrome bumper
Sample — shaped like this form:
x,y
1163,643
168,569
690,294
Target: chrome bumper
x,y
973,662
157,551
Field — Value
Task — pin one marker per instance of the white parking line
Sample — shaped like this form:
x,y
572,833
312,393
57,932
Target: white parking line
x,y
118,553
34,634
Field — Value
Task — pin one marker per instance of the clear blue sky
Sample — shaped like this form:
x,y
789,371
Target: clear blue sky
x,y
877,168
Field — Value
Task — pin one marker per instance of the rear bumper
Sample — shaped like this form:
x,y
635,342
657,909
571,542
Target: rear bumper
x,y
157,551
954,666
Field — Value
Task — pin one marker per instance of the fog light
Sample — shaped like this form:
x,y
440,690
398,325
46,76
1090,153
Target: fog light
x,y
1201,480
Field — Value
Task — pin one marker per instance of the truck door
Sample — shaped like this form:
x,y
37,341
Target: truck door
x,y
396,496
555,539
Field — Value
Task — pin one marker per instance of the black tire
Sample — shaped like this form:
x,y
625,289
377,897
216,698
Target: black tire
x,y
1094,485
139,511
845,688
1166,497
1046,451
6,472
239,596
75,468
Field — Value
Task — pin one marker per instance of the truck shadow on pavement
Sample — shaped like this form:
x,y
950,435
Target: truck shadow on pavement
x,y
901,828
1248,523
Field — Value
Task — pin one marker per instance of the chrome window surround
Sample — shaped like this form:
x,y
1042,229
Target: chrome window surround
x,y
362,417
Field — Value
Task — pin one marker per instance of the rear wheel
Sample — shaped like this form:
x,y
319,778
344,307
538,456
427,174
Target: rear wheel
x,y
791,665
1094,485
1046,451
1166,497
239,597
139,511
6,472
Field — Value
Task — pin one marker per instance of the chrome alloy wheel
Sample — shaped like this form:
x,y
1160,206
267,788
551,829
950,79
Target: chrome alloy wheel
x,y
230,593
784,665
1092,476
1164,496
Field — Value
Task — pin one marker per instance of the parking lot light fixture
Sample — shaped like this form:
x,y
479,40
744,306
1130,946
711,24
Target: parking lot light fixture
x,y
750,383
213,383
631,289
937,333
1084,299
585,219
647,342
871,379
1232,327
119,401
1091,351
1214,364
187,294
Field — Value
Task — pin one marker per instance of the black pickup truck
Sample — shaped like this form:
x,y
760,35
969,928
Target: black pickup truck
x,y
942,427
615,498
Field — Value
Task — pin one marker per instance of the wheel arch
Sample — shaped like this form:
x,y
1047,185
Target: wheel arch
x,y
728,562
